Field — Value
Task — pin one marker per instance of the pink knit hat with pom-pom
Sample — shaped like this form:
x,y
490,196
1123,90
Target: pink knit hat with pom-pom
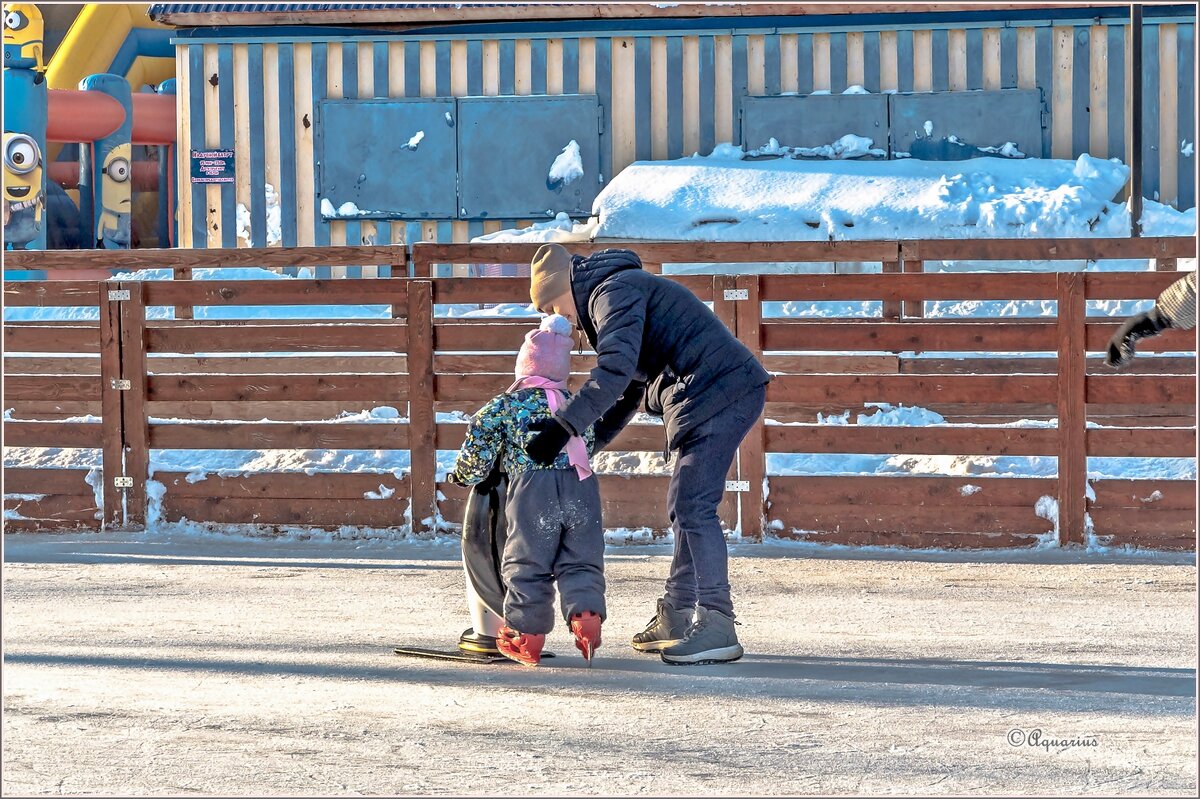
x,y
547,350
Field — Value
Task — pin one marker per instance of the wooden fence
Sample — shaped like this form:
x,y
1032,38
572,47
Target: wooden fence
x,y
139,375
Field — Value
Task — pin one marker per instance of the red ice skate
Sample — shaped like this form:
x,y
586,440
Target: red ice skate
x,y
525,648
586,627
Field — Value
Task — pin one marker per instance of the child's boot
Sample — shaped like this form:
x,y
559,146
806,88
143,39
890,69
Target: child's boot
x,y
586,627
525,648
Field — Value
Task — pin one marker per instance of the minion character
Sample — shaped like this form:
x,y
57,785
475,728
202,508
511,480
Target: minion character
x,y
23,199
112,228
23,39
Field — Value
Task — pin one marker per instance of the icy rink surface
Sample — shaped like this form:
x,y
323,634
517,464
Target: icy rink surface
x,y
145,665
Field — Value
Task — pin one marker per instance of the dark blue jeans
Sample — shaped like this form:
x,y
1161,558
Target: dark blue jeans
x,y
700,567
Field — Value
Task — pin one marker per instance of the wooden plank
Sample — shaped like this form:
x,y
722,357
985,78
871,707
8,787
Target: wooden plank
x,y
368,291
965,492
1164,389
891,308
1135,285
134,419
879,440
303,512
340,337
42,337
1154,539
1050,249
112,456
752,458
917,540
851,390
266,257
1099,333
468,337
1072,410
300,364
467,364
833,364
285,485
672,252
51,512
422,422
275,387
1095,365
1152,495
1146,442
869,335
24,480
20,433
51,387
902,518
1144,524
49,294
959,286
278,435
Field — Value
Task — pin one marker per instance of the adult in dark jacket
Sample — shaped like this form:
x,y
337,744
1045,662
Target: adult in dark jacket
x,y
656,343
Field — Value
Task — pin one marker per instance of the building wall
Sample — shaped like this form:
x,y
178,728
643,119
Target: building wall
x,y
664,96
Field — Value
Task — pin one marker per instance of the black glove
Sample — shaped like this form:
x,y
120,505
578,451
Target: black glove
x,y
490,482
614,420
1121,345
549,440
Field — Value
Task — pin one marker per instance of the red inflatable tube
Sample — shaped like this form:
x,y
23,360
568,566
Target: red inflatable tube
x,y
78,116
75,116
66,174
153,118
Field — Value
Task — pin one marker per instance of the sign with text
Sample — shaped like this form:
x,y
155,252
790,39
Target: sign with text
x,y
212,166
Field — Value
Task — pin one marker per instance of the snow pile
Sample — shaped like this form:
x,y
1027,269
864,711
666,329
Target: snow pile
x,y
415,140
559,229
274,220
848,146
346,210
722,197
567,167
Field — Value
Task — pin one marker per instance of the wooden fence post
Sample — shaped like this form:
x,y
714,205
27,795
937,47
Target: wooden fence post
x,y
1072,408
891,308
422,430
136,430
183,273
911,261
752,455
725,308
111,430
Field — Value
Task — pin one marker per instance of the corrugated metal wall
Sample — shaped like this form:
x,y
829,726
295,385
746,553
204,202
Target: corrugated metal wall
x,y
664,97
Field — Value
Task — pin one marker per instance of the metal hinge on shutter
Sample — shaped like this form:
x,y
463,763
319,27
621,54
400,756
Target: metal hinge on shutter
x,y
118,294
737,486
737,294
123,482
119,385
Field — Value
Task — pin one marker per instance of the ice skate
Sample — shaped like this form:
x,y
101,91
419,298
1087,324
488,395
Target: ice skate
x,y
667,627
586,627
525,648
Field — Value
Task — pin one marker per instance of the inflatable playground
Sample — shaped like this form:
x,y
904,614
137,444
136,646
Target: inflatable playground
x,y
89,132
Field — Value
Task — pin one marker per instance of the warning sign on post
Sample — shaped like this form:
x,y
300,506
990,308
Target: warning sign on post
x,y
212,166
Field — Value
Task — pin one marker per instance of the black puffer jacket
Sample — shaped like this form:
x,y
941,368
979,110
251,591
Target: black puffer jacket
x,y
649,331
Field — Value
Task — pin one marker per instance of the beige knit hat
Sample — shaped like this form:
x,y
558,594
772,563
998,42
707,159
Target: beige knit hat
x,y
549,275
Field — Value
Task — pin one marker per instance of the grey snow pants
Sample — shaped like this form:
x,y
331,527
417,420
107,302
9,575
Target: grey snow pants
x,y
555,534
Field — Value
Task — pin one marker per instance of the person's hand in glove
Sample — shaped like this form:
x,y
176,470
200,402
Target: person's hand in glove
x,y
1121,345
549,439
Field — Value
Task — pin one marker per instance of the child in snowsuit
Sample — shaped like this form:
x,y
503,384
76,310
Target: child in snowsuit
x,y
555,532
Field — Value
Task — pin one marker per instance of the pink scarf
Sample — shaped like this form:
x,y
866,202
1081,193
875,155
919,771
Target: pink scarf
x,y
555,395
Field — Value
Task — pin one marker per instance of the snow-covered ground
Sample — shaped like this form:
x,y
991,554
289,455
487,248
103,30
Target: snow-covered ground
x,y
152,664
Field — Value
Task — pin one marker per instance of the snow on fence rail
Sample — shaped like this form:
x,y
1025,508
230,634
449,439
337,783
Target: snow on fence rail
x,y
221,376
